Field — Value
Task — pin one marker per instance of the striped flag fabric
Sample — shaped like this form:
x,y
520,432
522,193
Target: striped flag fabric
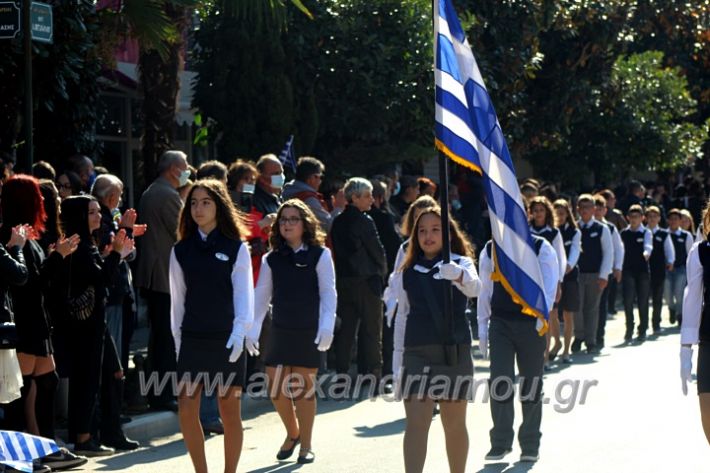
x,y
287,155
17,450
468,132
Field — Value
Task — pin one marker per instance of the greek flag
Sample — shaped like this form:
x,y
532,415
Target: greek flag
x,y
287,155
17,450
468,132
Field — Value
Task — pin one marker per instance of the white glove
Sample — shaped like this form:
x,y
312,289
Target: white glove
x,y
324,339
236,343
483,340
686,367
252,346
390,309
450,271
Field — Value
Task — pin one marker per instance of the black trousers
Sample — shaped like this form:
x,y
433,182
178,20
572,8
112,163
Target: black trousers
x,y
514,339
603,312
85,346
111,395
161,346
358,304
611,299
635,287
658,282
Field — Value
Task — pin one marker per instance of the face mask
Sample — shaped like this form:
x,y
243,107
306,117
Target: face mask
x,y
248,189
278,180
184,177
92,178
456,204
397,188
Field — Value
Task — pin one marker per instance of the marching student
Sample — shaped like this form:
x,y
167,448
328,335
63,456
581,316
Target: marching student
x,y
513,336
212,305
695,326
569,300
298,278
676,280
600,212
635,275
662,261
428,345
595,265
542,223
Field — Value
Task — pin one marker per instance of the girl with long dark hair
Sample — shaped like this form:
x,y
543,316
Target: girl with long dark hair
x,y
212,306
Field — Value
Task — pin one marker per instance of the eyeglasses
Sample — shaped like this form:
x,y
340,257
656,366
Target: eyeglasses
x,y
289,220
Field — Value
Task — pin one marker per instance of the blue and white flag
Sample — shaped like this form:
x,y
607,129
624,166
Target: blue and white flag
x,y
287,156
468,132
17,450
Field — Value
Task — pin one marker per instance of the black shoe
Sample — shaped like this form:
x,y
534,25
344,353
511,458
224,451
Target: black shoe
x,y
629,335
672,316
37,467
641,338
284,454
657,330
576,345
92,449
306,456
217,428
121,443
529,457
496,453
436,409
63,460
593,350
125,420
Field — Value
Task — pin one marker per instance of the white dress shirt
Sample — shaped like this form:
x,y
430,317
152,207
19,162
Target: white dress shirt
x,y
469,286
668,248
692,298
548,267
688,239
326,291
575,245
618,245
607,248
242,293
558,245
699,234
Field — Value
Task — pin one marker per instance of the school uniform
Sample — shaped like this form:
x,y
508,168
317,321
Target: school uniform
x,y
571,237
212,300
595,263
635,277
695,326
676,280
554,237
663,254
618,261
420,332
513,336
300,286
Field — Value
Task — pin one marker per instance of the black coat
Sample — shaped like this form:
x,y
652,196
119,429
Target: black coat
x,y
357,247
13,271
384,222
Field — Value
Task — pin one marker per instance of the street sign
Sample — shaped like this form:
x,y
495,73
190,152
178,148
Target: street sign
x,y
41,20
9,20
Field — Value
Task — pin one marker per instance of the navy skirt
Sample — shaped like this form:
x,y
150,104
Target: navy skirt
x,y
204,359
292,347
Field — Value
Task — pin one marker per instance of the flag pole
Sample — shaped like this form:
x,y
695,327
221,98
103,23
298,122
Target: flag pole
x,y
444,203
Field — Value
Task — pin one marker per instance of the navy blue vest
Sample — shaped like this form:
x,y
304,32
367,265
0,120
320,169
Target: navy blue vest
x,y
590,259
633,251
658,257
207,267
421,328
679,242
704,255
296,296
548,233
502,304
568,232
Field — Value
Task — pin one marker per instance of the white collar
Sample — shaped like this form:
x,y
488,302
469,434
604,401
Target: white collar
x,y
640,229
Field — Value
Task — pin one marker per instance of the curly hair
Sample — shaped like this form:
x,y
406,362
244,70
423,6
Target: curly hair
x,y
550,217
230,221
312,233
423,202
460,244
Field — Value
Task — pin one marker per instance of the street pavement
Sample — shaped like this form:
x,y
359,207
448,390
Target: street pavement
x,y
634,419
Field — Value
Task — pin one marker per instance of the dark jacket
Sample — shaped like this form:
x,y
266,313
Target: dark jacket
x,y
13,271
357,247
120,285
265,202
384,222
